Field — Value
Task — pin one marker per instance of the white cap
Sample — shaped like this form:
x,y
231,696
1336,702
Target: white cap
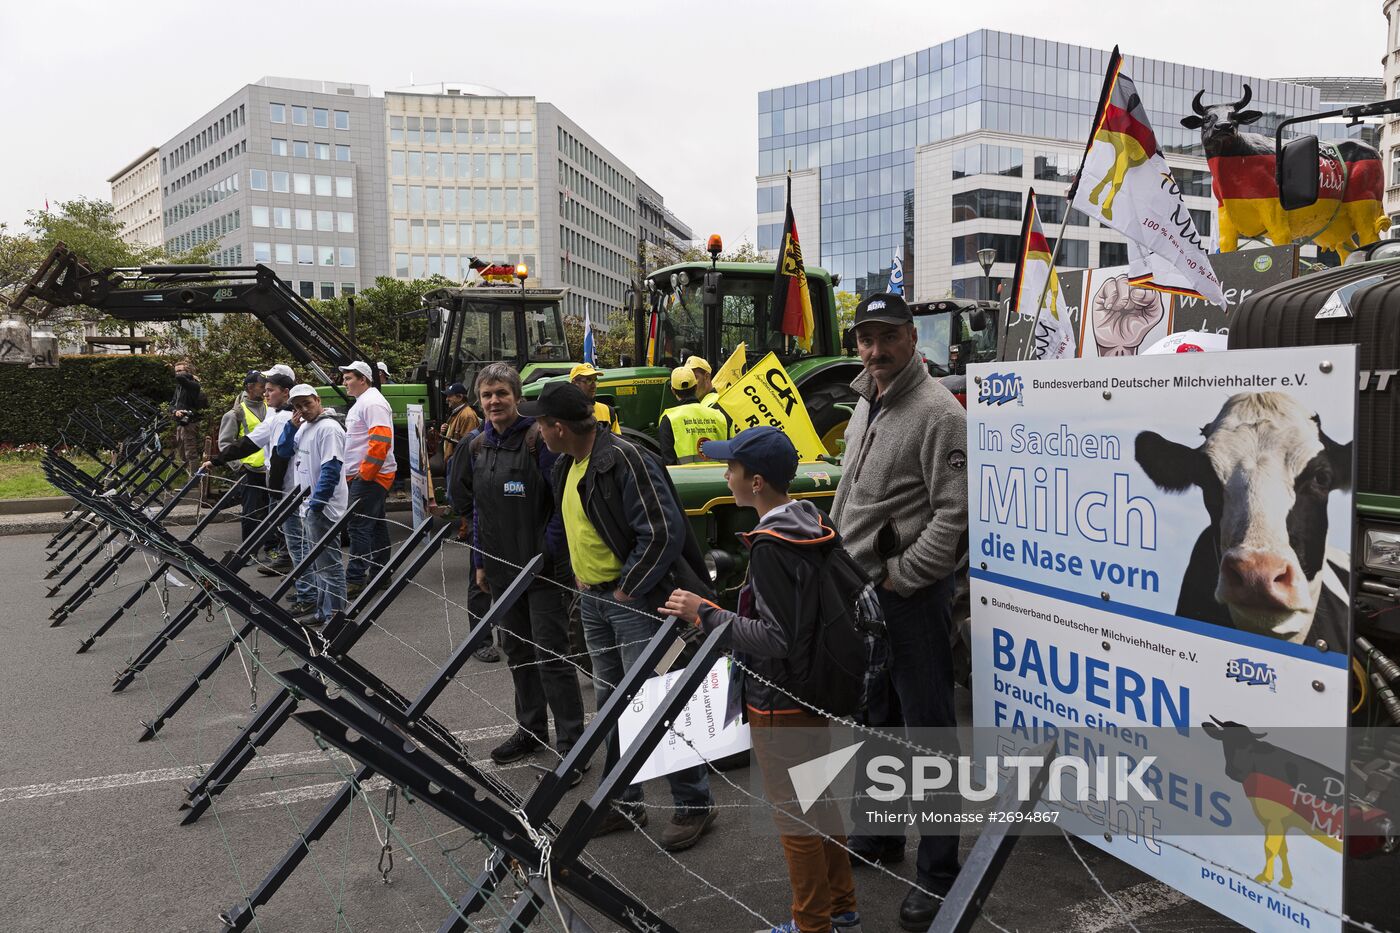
x,y
283,369
361,367
382,368
302,390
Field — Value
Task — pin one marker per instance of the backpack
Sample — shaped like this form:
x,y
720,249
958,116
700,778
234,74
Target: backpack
x,y
827,664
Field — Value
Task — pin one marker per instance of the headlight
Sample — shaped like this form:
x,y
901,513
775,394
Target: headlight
x,y
1382,551
719,564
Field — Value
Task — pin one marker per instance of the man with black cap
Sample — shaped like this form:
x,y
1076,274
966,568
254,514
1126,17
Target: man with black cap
x,y
630,546
248,411
461,419
901,509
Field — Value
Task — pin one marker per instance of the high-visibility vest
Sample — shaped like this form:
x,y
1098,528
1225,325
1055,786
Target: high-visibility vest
x,y
711,400
603,413
254,461
692,423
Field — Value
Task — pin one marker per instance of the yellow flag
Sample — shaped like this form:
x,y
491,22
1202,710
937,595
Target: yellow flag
x,y
732,369
766,395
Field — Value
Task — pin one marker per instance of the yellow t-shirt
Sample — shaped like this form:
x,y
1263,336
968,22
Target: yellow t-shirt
x,y
593,562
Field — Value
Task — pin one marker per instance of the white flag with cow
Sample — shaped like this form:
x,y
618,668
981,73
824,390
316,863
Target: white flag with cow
x,y
1126,184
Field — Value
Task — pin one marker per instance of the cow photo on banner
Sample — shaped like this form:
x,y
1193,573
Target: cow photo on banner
x,y
1160,550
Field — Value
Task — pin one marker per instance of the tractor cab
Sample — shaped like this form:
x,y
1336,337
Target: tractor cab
x,y
470,327
953,332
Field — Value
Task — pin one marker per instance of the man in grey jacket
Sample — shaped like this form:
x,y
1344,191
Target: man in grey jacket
x,y
901,509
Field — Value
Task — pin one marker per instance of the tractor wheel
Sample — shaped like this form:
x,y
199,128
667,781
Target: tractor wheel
x,y
829,420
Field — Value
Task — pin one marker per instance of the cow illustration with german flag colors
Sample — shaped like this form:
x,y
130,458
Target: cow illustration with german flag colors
x,y
1348,211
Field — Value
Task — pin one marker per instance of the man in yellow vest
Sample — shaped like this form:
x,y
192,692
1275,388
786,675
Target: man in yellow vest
x,y
684,426
585,376
246,413
704,381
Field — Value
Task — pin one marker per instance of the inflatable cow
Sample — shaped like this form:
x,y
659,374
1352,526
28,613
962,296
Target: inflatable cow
x,y
1348,210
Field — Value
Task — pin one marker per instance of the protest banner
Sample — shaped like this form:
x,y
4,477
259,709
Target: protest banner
x,y
766,395
710,734
420,475
1142,581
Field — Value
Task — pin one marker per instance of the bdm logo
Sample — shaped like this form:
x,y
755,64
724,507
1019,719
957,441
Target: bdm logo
x,y
1254,673
1000,388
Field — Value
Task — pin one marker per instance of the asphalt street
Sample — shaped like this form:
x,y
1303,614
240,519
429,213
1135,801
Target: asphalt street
x,y
92,838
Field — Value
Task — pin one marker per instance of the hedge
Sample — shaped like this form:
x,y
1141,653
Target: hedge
x,y
38,401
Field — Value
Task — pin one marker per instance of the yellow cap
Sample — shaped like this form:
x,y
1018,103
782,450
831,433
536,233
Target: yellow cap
x,y
682,378
699,362
584,369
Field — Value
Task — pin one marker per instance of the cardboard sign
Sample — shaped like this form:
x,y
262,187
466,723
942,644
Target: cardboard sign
x,y
766,395
702,722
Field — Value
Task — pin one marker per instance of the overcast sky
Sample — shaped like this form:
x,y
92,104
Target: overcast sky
x,y
670,88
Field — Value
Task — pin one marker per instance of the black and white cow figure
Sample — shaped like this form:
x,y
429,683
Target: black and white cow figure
x,y
1265,471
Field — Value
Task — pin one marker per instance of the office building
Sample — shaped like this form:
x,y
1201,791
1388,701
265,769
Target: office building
x,y
1390,129
284,172
933,152
136,200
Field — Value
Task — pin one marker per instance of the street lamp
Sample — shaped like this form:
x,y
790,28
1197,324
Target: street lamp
x,y
985,258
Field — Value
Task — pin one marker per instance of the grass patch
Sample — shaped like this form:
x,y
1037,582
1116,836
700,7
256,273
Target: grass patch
x,y
23,477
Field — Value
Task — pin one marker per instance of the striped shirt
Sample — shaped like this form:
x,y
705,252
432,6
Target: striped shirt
x,y
369,439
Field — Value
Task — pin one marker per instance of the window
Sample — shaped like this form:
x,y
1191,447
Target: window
x,y
449,200
327,255
345,221
347,257
413,133
306,255
478,165
434,233
527,132
986,160
301,184
298,115
323,186
1192,183
1395,166
430,130
260,215
257,179
498,234
527,200
415,165
400,197
417,227
512,165
479,200
342,152
307,289
323,151
527,164
984,203
466,234
279,146
277,113
498,202
493,132
1052,211
327,290
282,218
281,182
430,200
1073,254
397,163
965,247
418,266
449,165
301,149
449,234
395,134
303,218
415,199
262,252
1054,166
284,253
344,187
449,266
1113,254
400,232
342,119
321,118
1202,220
347,288
401,265
430,165
325,221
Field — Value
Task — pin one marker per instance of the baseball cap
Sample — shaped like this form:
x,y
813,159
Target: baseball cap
x,y
382,367
283,369
361,367
584,369
884,308
455,389
763,450
682,378
699,362
280,379
302,390
253,377
559,399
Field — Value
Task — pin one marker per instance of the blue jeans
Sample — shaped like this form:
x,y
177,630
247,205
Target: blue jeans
x,y
328,571
918,691
616,636
369,534
296,550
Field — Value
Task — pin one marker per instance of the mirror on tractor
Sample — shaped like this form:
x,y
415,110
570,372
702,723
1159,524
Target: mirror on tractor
x,y
1298,173
848,340
977,319
434,321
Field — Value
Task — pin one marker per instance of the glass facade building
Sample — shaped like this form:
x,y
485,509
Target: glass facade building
x,y
996,113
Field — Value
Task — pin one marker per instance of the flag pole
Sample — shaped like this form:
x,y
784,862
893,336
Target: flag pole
x,y
1115,64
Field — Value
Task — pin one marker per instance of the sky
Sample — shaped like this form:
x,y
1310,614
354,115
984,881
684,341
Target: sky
x,y
670,88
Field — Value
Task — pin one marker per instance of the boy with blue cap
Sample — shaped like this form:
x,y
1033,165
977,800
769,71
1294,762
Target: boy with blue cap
x,y
772,619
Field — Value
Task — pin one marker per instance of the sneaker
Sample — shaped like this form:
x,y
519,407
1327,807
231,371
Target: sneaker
x,y
354,588
518,746
487,653
574,779
298,608
849,922
686,828
309,620
617,818
789,927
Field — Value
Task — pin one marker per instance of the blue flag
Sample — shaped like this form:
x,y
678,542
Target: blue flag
x,y
897,272
588,340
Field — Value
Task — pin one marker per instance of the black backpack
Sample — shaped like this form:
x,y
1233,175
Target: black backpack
x,y
826,666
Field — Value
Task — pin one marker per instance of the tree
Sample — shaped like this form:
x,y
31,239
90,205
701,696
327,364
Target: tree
x,y
846,309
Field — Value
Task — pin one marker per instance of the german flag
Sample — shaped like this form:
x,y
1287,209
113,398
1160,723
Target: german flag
x,y
1035,292
792,304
